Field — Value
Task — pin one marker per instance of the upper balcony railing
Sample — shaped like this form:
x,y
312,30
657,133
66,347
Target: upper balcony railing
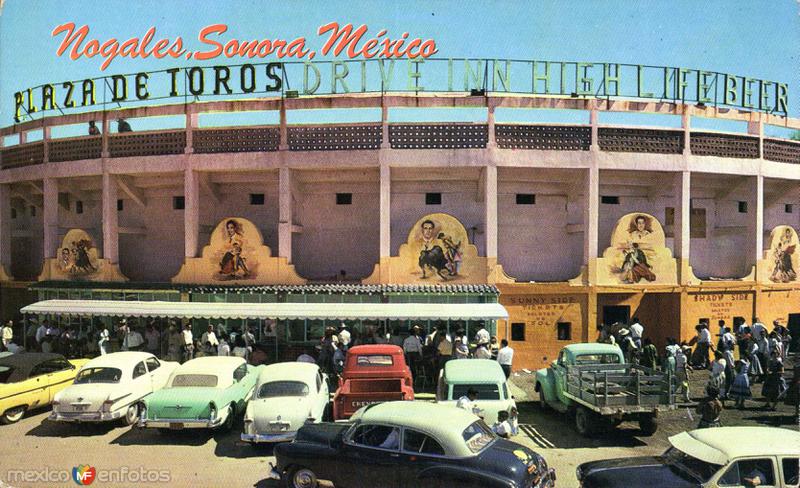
x,y
370,136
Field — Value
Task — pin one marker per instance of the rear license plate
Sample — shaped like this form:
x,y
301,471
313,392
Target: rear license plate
x,y
175,426
80,408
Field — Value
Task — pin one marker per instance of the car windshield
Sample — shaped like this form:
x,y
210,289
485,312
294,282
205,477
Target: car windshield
x,y
698,469
597,359
98,375
477,436
485,392
189,380
283,389
374,360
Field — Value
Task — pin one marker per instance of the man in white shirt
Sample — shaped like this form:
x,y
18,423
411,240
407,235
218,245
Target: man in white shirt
x,y
503,427
467,402
412,348
7,334
482,352
637,331
759,332
188,343
209,337
703,344
223,349
482,336
133,340
41,333
344,335
505,356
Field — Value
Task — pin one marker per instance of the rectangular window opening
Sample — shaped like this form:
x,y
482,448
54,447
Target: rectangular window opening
x,y
609,200
344,199
526,199
120,205
564,330
433,199
518,331
178,203
78,207
742,207
256,199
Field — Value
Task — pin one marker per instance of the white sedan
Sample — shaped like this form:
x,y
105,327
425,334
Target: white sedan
x,y
111,387
287,396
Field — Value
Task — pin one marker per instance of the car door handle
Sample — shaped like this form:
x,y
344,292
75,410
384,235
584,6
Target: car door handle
x,y
394,455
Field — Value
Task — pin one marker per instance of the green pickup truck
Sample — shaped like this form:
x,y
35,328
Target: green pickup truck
x,y
593,382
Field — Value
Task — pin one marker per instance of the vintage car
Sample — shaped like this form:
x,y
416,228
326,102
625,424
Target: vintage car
x,y
111,387
592,382
287,396
408,444
206,392
372,373
483,375
707,458
31,380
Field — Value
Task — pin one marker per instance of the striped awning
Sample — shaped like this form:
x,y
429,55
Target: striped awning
x,y
285,310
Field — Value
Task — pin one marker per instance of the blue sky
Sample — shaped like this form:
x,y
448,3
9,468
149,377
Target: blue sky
x,y
758,39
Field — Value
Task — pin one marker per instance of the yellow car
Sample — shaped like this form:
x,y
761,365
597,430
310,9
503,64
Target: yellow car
x,y
31,380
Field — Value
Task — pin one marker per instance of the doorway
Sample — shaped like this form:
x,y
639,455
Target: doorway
x,y
613,314
794,330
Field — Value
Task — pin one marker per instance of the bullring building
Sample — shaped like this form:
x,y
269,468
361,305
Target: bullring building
x,y
539,230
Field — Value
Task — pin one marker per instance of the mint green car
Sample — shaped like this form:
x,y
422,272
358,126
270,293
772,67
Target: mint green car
x,y
207,392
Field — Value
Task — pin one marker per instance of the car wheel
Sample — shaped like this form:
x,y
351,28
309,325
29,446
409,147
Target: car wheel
x,y
648,425
542,400
12,415
300,477
228,425
327,414
131,415
584,422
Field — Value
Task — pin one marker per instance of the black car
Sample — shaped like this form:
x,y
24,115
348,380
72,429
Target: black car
x,y
408,444
664,471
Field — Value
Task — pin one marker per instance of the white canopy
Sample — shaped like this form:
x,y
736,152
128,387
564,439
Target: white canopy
x,y
287,310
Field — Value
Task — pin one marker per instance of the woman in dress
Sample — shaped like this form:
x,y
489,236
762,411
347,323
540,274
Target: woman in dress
x,y
774,384
740,389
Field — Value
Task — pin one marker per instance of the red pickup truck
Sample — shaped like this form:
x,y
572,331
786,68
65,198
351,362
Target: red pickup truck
x,y
373,373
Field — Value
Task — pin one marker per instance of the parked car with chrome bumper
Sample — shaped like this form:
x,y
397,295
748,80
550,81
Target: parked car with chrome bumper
x,y
403,444
205,393
111,387
287,396
706,458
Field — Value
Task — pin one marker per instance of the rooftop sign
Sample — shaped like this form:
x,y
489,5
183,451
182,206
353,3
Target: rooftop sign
x,y
481,76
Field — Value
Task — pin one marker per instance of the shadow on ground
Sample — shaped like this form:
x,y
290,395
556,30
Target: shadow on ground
x,y
48,428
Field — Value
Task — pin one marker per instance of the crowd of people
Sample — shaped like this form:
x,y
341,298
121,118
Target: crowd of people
x,y
425,354
167,341
761,356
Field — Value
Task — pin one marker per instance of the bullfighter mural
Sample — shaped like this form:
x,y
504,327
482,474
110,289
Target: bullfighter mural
x,y
236,253
437,250
782,257
638,253
78,258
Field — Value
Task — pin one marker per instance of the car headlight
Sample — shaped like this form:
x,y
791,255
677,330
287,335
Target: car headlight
x,y
107,406
212,411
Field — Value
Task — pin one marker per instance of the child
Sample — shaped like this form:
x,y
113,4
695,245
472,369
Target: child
x,y
710,409
682,370
740,389
503,427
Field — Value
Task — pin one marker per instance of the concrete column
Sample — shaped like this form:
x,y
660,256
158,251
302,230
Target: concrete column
x,y
283,145
385,141
491,125
686,124
104,151
682,227
285,214
46,144
758,218
756,128
591,213
593,122
50,217
490,205
191,211
5,227
386,211
110,219
192,121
